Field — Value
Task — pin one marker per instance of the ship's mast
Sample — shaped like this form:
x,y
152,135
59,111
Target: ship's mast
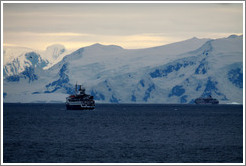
x,y
76,88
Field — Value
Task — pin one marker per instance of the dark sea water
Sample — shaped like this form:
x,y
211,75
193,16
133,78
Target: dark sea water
x,y
123,133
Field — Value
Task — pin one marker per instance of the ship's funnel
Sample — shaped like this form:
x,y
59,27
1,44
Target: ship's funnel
x,y
79,87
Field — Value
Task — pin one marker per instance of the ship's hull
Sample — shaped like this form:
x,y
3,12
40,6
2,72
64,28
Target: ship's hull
x,y
204,101
79,107
75,106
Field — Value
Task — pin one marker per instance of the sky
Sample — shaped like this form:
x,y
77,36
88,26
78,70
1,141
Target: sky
x,y
129,25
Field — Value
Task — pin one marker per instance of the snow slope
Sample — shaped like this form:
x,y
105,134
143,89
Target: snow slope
x,y
16,59
174,73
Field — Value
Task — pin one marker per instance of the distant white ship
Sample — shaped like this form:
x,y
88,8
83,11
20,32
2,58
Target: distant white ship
x,y
80,100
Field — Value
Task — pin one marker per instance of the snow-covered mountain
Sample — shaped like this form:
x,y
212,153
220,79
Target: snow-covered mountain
x,y
17,59
10,53
173,73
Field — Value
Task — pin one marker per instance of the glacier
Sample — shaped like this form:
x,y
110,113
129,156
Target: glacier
x,y
175,73
17,59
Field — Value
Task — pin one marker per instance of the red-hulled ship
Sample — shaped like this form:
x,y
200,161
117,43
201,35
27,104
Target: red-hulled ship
x,y
80,100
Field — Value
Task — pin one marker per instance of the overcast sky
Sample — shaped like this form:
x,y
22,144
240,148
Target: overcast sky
x,y
128,25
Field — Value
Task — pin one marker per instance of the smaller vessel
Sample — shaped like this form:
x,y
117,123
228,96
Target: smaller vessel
x,y
206,100
80,100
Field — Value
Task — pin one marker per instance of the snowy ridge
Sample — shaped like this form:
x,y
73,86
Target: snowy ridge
x,y
10,53
174,73
16,59
24,61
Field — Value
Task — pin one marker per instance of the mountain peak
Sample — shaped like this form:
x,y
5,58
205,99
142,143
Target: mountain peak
x,y
98,46
194,38
54,51
103,46
55,46
232,36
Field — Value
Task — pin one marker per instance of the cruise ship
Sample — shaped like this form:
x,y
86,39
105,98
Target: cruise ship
x,y
206,100
80,100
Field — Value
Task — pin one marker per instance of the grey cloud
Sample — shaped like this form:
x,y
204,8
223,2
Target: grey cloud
x,y
123,19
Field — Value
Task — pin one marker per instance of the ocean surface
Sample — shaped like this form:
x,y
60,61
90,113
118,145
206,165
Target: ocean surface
x,y
123,133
